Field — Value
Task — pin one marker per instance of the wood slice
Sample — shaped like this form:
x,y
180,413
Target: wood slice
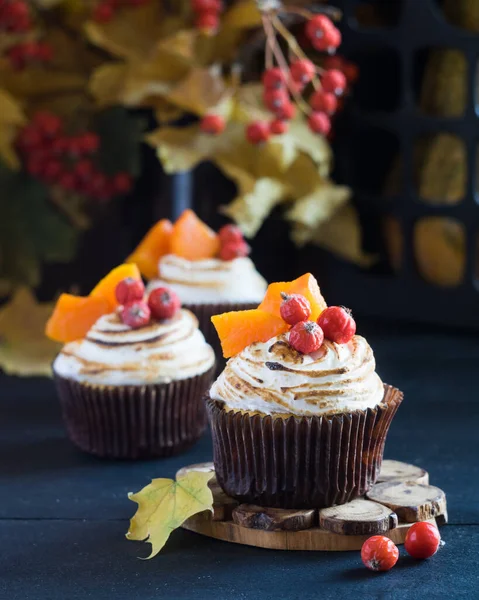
x,y
358,517
308,539
410,501
399,471
273,519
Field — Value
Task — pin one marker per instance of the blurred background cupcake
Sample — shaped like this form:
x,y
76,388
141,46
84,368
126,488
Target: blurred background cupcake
x,y
211,273
299,415
133,371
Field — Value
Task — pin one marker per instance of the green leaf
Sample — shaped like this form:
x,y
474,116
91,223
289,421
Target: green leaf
x,y
31,228
121,134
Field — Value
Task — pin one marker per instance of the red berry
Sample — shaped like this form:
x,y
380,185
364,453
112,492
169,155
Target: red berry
x,y
338,324
379,553
306,337
98,186
275,100
319,123
232,250
230,234
163,303
207,23
87,142
122,183
84,168
294,308
258,132
68,181
302,71
212,124
322,101
422,540
103,13
286,112
329,41
30,138
48,124
135,314
334,81
278,127
129,290
274,78
60,145
52,170
44,52
205,6
317,26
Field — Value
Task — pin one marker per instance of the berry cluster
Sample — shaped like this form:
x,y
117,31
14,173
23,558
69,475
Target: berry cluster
x,y
29,54
105,10
67,161
232,243
334,323
207,15
137,311
15,16
379,553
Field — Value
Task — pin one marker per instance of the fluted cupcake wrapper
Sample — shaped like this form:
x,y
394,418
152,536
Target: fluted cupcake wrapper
x,y
300,462
134,421
204,312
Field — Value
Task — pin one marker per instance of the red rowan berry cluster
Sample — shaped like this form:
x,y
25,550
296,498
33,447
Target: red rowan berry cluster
x,y
15,16
105,10
67,161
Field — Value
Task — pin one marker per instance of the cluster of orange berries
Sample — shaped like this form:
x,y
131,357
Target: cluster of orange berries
x,y
67,161
16,18
106,9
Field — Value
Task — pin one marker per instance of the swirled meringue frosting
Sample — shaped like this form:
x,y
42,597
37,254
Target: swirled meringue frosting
x,y
114,354
211,280
273,378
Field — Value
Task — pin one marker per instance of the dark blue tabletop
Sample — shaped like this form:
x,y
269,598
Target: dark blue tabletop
x,y
63,514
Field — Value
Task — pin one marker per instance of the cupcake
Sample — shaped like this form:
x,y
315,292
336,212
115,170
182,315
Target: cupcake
x,y
211,273
133,370
299,416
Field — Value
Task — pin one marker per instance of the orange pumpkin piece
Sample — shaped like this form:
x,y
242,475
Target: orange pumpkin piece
x,y
192,239
106,287
239,329
305,285
153,246
74,316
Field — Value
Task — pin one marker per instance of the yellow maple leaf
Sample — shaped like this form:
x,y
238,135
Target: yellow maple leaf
x,y
24,349
11,118
165,504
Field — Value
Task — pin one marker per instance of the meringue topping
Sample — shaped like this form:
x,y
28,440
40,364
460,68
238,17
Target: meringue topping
x,y
273,378
114,354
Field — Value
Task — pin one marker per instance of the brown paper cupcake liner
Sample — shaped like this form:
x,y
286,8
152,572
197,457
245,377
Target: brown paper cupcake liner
x,y
204,312
134,421
300,462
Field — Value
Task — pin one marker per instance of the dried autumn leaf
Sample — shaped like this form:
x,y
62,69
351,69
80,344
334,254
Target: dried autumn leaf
x,y
341,235
24,349
199,92
319,205
164,505
11,118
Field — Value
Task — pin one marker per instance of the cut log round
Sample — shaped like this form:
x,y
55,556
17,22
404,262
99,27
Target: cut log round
x,y
358,517
273,519
400,471
223,505
410,501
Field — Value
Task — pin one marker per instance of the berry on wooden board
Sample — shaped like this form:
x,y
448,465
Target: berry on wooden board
x,y
128,290
422,540
338,324
163,303
306,337
135,314
379,553
294,308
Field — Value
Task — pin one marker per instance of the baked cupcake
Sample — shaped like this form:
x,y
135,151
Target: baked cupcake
x,y
299,416
211,273
133,370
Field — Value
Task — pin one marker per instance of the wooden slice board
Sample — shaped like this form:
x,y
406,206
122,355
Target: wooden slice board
x,y
338,528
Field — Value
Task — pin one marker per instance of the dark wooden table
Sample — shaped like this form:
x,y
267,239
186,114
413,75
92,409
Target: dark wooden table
x,y
63,514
